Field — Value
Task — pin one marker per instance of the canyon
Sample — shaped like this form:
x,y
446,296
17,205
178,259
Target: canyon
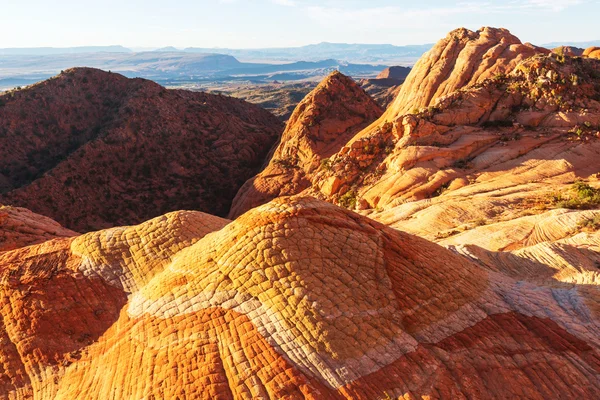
x,y
445,246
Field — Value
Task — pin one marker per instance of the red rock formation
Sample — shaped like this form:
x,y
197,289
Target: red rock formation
x,y
568,51
321,124
20,227
544,99
463,58
93,149
480,157
592,52
297,298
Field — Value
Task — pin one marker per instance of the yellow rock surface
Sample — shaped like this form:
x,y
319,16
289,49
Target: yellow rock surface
x,y
296,299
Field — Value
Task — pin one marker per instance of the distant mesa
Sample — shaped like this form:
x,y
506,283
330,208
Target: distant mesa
x,y
396,73
168,49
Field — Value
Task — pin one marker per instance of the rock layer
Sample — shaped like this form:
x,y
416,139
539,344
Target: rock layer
x,y
298,298
20,227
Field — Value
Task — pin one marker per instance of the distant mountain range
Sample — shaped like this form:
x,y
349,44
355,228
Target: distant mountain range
x,y
172,68
356,53
581,45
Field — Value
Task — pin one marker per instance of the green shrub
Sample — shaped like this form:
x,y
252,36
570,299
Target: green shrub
x,y
326,164
590,224
348,200
582,196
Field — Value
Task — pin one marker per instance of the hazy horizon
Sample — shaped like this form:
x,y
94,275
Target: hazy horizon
x,y
254,24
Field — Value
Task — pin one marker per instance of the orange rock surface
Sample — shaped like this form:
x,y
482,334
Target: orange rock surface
x,y
463,58
493,154
20,227
93,149
321,124
295,299
592,52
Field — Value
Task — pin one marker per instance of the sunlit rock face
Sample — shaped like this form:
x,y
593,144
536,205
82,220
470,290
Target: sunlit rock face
x,y
297,298
321,124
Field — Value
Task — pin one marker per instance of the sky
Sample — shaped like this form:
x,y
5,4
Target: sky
x,y
284,23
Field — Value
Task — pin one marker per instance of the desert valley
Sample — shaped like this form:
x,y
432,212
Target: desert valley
x,y
427,232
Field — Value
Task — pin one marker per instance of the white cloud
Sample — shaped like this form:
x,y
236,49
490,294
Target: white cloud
x,y
287,3
390,14
552,5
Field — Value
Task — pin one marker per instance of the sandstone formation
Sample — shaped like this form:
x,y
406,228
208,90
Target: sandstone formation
x,y
496,160
20,227
592,52
487,164
519,136
463,58
296,299
568,51
93,149
321,124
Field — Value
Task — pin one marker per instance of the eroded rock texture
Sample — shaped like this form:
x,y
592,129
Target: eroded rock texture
x,y
20,227
321,124
489,153
296,299
463,58
93,149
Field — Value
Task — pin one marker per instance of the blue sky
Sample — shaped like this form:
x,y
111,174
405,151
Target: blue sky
x,y
278,23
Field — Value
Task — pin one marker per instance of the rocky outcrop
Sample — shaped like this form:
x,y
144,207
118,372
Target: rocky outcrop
x,y
568,51
93,149
20,227
462,59
297,298
397,73
592,52
479,158
547,104
321,124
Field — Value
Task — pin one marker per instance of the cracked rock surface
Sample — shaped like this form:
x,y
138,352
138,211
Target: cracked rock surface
x,y
297,298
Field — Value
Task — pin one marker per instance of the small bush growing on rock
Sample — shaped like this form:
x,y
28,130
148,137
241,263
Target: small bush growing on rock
x,y
326,164
581,196
285,163
348,200
462,164
590,224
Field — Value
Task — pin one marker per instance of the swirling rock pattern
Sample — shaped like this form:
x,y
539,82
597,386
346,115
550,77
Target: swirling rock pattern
x,y
295,299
